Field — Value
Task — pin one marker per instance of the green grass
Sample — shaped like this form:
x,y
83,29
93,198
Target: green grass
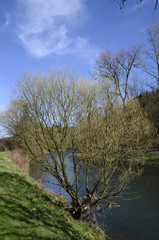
x,y
27,211
154,159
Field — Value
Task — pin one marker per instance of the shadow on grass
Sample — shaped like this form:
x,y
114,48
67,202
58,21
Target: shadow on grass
x,y
27,213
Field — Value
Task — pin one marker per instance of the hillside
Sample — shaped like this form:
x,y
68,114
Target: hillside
x,y
30,212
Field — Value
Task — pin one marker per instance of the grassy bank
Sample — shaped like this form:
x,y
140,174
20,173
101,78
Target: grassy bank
x,y
151,160
151,157
27,211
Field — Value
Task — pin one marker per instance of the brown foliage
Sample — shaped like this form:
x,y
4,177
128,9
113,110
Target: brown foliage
x,y
21,159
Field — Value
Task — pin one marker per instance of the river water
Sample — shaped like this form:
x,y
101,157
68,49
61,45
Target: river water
x,y
137,218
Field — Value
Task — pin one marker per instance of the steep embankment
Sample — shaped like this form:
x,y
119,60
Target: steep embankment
x,y
27,211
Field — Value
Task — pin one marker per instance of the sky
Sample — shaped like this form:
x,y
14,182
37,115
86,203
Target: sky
x,y
36,35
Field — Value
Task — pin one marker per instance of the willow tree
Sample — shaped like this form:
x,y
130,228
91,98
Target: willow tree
x,y
56,112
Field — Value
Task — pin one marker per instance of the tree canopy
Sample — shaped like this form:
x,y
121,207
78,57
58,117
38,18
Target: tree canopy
x,y
152,53
116,67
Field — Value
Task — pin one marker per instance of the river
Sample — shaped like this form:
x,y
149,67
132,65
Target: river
x,y
137,218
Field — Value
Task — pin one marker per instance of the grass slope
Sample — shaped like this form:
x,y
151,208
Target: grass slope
x,y
27,211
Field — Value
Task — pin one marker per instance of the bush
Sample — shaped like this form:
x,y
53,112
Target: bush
x,y
21,159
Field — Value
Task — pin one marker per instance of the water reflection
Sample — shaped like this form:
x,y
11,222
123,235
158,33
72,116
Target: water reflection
x,y
136,219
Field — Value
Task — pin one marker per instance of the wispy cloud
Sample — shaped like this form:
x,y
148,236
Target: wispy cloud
x,y
46,27
4,22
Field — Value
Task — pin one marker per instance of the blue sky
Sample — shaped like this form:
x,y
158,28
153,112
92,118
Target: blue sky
x,y
38,34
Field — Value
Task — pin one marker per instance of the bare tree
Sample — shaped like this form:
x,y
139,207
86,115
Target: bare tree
x,y
136,86
116,68
152,53
58,112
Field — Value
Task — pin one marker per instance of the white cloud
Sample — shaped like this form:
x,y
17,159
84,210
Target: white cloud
x,y
5,23
43,43
46,27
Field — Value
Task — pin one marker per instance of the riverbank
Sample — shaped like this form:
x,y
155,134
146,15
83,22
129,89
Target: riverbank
x,y
151,158
28,211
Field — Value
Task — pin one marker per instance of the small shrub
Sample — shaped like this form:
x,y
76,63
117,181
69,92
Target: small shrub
x,y
21,159
2,148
